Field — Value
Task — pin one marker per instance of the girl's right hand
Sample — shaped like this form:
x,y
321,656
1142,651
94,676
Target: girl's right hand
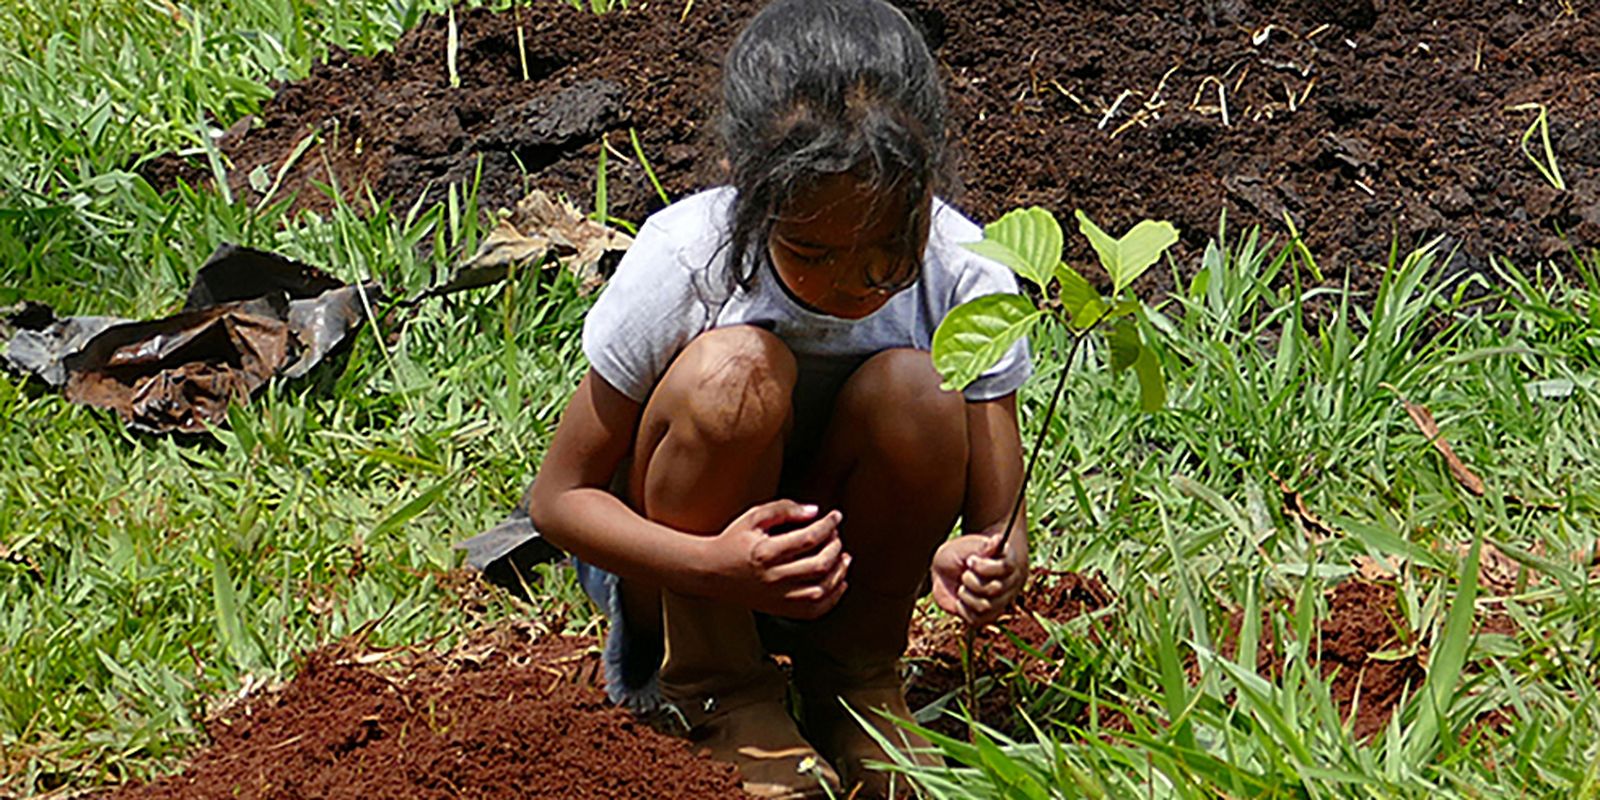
x,y
798,574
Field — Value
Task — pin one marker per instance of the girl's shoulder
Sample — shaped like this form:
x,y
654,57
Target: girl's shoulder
x,y
948,230
691,218
681,240
948,223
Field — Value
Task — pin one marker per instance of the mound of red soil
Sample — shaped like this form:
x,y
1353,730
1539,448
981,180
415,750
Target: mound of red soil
x,y
1364,649
1358,119
502,717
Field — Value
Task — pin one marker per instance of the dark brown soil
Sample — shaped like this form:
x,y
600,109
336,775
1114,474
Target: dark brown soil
x,y
1399,123
503,716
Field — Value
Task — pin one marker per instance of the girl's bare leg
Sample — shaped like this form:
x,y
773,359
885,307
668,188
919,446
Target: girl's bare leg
x,y
894,458
710,440
710,446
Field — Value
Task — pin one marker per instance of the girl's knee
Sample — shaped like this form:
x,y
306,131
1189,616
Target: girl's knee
x,y
733,385
897,393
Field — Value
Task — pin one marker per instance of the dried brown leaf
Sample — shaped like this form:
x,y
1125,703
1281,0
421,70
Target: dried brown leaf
x,y
540,226
1295,508
1374,569
1318,530
1425,423
1497,572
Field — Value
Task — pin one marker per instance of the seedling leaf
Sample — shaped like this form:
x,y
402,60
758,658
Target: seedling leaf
x,y
1123,309
1125,345
1081,302
976,334
1028,240
1152,385
1128,350
1127,258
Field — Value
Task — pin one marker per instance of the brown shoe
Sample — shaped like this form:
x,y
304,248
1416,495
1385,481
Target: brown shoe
x,y
851,657
872,693
731,695
774,760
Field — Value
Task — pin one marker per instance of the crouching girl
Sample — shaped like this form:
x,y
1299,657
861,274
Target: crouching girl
x,y
761,459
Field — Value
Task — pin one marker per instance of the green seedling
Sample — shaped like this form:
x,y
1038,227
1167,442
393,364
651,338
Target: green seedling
x,y
1541,123
974,336
649,171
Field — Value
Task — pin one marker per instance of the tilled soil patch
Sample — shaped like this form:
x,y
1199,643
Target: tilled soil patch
x,y
1365,649
504,716
1359,120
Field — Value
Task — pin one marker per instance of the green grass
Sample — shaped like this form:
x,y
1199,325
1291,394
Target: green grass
x,y
1179,512
150,576
169,571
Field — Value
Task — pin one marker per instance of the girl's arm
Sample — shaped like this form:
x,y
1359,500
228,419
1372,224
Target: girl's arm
x,y
572,506
977,575
994,471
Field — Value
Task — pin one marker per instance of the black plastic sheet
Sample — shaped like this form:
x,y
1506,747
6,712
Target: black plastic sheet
x,y
250,316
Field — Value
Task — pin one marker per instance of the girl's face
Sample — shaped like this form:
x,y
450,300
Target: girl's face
x,y
840,247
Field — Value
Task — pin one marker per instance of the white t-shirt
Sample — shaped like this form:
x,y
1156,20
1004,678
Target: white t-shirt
x,y
672,285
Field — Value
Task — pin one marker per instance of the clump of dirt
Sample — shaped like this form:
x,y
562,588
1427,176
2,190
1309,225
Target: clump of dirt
x,y
1369,653
1358,120
1365,648
505,715
935,651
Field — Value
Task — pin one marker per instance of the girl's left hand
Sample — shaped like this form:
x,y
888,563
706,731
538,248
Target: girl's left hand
x,y
975,576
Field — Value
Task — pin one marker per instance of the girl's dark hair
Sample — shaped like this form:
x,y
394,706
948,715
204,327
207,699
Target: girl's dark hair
x,y
815,87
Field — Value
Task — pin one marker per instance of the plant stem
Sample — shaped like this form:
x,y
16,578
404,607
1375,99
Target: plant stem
x,y
1038,439
970,634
